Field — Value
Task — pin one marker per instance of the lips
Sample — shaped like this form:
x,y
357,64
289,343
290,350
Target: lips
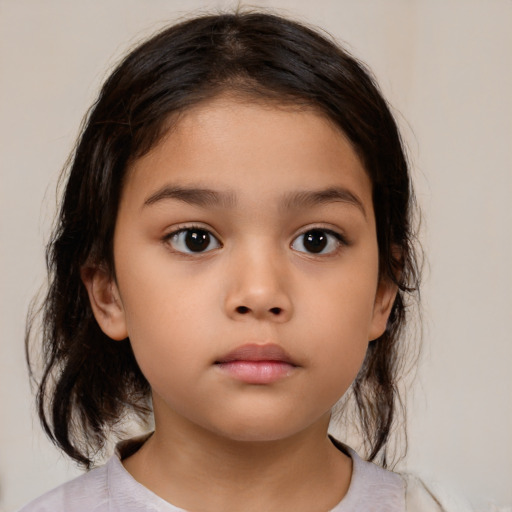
x,y
255,352
257,364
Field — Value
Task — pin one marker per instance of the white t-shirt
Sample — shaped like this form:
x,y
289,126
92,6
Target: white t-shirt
x,y
111,488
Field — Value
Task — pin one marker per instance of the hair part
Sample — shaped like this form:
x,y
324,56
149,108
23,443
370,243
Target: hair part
x,y
89,382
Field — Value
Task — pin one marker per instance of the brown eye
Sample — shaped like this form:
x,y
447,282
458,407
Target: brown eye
x,y
317,241
193,240
197,241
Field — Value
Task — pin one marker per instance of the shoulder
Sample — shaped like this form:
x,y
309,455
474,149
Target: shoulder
x,y
371,487
375,488
86,493
398,492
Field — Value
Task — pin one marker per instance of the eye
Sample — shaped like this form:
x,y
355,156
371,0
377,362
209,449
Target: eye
x,y
193,240
317,241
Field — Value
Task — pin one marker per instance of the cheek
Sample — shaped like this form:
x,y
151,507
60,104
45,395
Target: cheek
x,y
340,315
169,315
341,305
156,294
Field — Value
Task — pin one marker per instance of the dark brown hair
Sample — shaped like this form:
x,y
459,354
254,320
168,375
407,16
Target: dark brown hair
x,y
89,382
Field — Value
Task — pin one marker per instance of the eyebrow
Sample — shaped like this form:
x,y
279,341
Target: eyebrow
x,y
206,197
305,199
197,196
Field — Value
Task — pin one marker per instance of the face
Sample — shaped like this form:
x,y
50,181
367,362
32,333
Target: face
x,y
246,267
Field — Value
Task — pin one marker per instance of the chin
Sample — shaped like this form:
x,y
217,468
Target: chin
x,y
258,431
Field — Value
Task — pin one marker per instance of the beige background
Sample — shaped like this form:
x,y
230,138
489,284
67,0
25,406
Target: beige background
x,y
445,65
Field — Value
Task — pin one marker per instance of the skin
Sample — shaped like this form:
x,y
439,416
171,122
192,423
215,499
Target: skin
x,y
221,444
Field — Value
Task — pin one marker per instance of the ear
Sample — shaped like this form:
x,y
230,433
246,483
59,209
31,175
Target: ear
x,y
384,300
105,301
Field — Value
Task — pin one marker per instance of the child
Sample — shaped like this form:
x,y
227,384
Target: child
x,y
234,254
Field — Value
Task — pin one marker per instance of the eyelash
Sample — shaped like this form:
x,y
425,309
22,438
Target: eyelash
x,y
339,240
168,239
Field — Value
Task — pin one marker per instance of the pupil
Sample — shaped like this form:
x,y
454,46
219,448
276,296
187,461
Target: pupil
x,y
197,240
315,241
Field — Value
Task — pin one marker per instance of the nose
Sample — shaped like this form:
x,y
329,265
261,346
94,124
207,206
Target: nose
x,y
258,287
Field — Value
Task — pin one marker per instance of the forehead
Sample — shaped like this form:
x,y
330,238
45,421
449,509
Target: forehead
x,y
252,150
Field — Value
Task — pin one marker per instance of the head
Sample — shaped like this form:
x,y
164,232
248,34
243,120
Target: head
x,y
252,58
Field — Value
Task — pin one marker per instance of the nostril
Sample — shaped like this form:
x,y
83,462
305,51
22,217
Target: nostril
x,y
242,310
275,311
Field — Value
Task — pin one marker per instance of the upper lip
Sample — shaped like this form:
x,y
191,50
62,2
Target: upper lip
x,y
256,352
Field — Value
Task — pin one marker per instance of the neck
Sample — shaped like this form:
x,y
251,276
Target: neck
x,y
196,469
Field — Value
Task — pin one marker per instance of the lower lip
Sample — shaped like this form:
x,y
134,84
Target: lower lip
x,y
257,372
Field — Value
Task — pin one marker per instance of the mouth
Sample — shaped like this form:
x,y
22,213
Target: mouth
x,y
257,364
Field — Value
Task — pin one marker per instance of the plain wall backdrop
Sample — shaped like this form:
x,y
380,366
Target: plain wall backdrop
x,y
444,65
